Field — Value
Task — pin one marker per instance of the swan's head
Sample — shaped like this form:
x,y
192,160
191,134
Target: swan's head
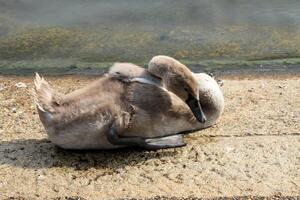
x,y
178,79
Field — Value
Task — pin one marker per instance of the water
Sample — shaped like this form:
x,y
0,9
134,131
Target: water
x,y
193,31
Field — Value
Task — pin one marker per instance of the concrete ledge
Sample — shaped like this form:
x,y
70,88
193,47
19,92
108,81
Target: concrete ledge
x,y
253,151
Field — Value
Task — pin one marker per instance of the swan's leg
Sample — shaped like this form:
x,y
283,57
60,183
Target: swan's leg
x,y
150,144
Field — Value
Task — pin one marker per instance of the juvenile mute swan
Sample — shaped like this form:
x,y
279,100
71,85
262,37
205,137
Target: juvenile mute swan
x,y
131,106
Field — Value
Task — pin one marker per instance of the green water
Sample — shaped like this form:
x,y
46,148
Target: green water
x,y
82,35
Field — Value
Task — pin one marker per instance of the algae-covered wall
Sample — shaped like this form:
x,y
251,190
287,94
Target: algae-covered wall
x,y
135,30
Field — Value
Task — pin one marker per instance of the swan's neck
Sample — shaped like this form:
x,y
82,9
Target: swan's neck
x,y
211,97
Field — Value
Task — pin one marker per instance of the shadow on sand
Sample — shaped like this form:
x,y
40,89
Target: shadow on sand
x,y
36,154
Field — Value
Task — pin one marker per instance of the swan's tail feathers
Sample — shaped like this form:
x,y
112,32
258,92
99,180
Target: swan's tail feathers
x,y
44,95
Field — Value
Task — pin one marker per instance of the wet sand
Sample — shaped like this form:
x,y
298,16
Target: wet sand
x,y
253,151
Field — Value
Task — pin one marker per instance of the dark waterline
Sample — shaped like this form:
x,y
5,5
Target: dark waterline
x,y
233,68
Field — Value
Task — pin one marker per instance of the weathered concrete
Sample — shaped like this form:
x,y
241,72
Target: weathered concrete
x,y
253,151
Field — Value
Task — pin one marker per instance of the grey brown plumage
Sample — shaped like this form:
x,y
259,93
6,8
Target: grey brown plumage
x,y
129,99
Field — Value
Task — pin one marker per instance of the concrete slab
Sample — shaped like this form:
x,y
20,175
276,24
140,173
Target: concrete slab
x,y
253,151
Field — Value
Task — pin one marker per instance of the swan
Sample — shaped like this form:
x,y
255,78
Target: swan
x,y
131,106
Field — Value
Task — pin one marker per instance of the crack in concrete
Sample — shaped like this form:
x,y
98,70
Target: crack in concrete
x,y
253,135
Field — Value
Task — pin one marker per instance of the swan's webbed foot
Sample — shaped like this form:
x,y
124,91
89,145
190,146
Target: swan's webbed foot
x,y
150,144
171,141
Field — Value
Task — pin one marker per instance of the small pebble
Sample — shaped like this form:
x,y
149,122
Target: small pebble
x,y
55,188
282,87
41,178
220,82
21,85
14,110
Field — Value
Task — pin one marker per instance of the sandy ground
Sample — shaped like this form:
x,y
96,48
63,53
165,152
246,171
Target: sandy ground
x,y
254,150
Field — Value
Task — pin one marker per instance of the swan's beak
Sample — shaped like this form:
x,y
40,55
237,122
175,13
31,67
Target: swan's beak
x,y
195,106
